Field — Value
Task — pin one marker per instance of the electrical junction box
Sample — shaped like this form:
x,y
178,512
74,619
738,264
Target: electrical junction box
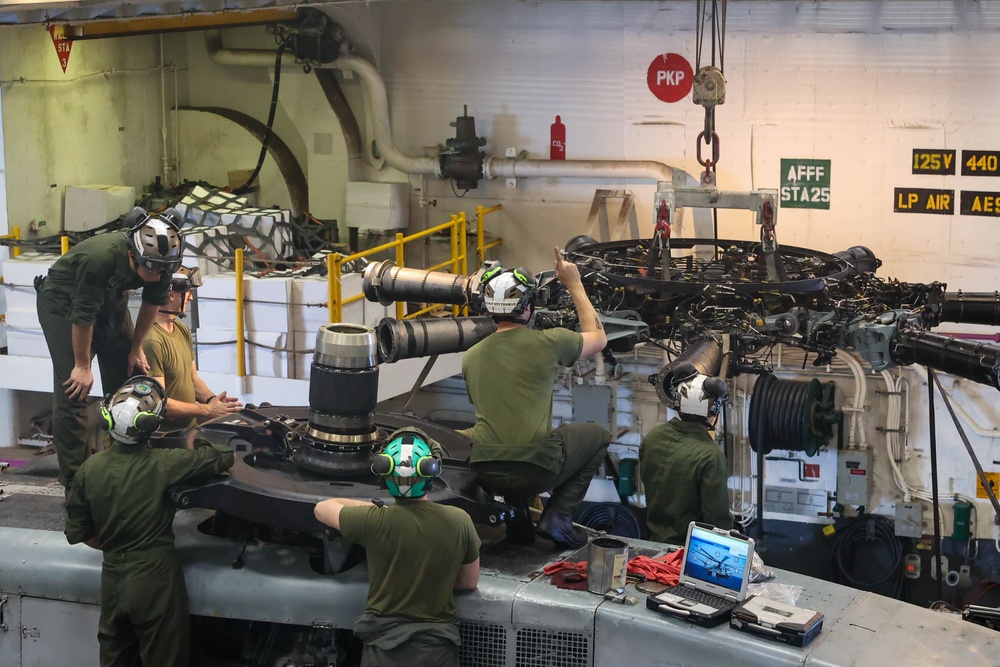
x,y
378,205
854,477
91,206
909,520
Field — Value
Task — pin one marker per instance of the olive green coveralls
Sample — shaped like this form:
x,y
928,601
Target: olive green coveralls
x,y
120,497
88,286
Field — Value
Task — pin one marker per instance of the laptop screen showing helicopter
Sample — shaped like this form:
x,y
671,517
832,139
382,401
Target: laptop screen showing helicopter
x,y
714,575
716,561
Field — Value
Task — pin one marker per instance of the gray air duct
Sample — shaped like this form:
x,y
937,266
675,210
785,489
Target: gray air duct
x,y
387,283
408,339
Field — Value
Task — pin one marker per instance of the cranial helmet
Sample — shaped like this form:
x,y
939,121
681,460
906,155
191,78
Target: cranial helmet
x,y
507,293
183,281
135,411
701,396
155,241
407,463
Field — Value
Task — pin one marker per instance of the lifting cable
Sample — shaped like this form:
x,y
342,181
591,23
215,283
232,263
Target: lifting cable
x,y
709,88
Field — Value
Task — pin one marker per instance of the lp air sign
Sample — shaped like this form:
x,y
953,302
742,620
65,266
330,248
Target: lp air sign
x,y
805,183
669,77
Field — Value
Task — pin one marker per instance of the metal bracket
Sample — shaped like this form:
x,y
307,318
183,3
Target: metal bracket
x,y
762,202
32,633
511,151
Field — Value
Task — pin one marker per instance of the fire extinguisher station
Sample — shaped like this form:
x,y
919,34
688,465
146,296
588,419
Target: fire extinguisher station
x,y
557,140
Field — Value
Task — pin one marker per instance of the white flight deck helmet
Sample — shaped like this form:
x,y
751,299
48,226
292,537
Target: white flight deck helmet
x,y
155,241
701,396
507,293
135,411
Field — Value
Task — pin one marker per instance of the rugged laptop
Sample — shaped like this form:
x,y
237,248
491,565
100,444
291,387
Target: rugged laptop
x,y
714,576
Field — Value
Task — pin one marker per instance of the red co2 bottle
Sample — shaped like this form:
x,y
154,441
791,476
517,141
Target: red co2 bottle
x,y
557,141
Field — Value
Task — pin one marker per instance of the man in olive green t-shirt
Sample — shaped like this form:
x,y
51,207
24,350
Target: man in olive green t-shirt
x,y
171,361
418,553
510,377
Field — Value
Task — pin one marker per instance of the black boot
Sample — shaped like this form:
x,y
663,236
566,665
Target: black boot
x,y
556,524
520,530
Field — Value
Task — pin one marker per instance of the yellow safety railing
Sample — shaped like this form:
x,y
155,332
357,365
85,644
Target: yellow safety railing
x,y
458,263
481,248
241,362
15,235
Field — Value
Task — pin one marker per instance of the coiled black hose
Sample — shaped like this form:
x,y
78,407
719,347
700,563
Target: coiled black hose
x,y
790,414
612,518
853,564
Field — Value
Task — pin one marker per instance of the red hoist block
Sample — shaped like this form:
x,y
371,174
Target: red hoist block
x,y
557,142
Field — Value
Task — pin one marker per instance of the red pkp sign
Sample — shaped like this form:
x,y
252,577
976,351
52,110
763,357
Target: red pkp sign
x,y
670,77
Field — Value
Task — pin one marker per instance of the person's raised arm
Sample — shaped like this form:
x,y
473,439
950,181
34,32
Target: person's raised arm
x,y
594,337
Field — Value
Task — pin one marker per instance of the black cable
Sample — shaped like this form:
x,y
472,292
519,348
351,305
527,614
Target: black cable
x,y
243,189
934,481
869,530
613,518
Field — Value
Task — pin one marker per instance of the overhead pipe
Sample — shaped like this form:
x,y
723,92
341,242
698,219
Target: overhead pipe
x,y
493,167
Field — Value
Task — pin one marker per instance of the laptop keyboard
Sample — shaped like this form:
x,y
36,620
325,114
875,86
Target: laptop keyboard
x,y
701,597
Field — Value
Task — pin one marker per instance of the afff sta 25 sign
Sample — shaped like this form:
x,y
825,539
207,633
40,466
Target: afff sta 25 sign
x,y
805,183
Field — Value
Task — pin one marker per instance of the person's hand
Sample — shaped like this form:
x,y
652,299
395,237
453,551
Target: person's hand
x,y
230,399
137,364
222,405
81,379
567,272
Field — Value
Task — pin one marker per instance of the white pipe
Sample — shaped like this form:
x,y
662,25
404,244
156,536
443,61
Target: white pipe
x,y
241,57
496,167
493,167
164,156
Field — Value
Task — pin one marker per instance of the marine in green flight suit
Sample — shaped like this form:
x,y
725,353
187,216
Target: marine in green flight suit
x,y
83,309
118,503
684,473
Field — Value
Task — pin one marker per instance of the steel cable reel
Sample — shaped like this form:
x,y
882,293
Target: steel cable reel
x,y
790,414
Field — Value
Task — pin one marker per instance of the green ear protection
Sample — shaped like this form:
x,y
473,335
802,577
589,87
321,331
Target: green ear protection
x,y
135,411
407,463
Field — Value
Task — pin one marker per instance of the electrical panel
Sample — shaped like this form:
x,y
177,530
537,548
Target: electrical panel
x,y
854,477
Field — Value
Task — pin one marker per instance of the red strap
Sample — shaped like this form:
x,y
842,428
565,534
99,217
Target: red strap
x,y
665,569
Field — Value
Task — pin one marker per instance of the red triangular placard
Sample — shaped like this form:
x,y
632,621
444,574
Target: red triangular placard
x,y
63,47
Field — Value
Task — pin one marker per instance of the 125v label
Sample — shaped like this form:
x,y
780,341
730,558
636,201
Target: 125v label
x,y
933,161
980,163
